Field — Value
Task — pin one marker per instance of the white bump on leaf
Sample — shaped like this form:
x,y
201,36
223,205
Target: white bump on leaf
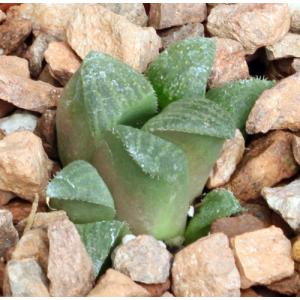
x,y
191,211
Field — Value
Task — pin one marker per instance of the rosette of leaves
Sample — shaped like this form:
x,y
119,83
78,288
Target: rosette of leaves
x,y
154,172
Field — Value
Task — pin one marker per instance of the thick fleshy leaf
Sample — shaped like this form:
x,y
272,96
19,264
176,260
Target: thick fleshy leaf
x,y
198,127
147,177
102,93
219,203
182,70
238,97
80,191
99,239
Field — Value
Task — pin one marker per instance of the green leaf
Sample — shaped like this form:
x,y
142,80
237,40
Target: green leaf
x,y
198,127
80,191
219,203
147,177
238,97
99,239
182,70
102,93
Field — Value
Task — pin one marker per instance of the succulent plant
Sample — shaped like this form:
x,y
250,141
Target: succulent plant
x,y
147,177
80,191
182,70
153,165
199,127
238,97
216,204
99,239
102,93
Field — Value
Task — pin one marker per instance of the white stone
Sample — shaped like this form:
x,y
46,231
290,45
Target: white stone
x,y
18,121
127,238
285,200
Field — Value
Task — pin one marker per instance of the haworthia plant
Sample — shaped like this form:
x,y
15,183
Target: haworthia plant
x,y
102,93
238,97
99,239
153,173
80,191
147,177
217,204
199,127
182,70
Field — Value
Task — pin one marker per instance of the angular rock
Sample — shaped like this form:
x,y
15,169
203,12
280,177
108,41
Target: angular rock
x,y
14,65
134,12
13,32
95,28
5,108
277,108
8,234
18,121
5,197
23,160
49,18
165,15
232,153
285,200
253,25
157,290
53,18
33,244
230,63
143,259
296,148
70,268
116,284
295,18
267,161
35,53
175,34
167,294
24,278
63,62
262,256
237,225
288,286
206,268
28,94
42,220
288,46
